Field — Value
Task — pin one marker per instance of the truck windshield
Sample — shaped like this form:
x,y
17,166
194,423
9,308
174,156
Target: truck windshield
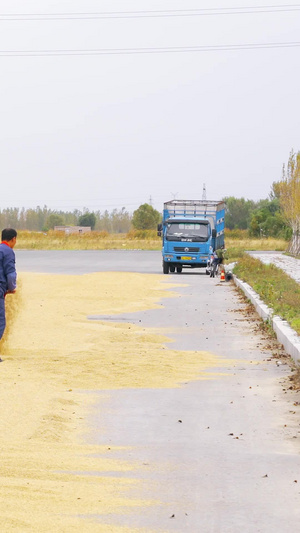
x,y
192,231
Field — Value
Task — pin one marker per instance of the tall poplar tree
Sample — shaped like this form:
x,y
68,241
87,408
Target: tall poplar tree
x,y
289,195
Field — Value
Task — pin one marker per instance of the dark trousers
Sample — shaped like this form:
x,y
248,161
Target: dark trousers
x,y
2,316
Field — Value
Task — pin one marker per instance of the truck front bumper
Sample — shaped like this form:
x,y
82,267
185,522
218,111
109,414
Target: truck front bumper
x,y
193,261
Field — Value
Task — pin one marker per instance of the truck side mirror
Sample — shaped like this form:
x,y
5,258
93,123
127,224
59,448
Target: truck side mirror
x,y
159,229
213,233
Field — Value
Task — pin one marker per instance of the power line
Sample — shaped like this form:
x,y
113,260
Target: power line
x,y
152,50
150,13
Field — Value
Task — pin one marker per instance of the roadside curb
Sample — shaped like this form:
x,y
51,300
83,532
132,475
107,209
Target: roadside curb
x,y
284,333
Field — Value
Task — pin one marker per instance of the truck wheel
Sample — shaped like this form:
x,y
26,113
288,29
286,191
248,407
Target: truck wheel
x,y
166,267
172,268
179,270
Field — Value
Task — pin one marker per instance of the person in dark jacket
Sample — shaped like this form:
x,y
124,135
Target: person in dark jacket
x,y
8,275
214,263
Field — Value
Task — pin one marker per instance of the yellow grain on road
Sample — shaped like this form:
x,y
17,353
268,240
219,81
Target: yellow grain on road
x,y
52,353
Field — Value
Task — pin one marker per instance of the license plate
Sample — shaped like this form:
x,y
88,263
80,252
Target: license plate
x,y
186,258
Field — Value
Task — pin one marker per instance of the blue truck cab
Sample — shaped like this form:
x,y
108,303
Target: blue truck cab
x,y
190,231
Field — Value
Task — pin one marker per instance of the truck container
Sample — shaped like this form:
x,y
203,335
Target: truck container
x,y
191,230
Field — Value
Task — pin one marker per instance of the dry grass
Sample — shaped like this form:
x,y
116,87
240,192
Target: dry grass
x,y
142,240
279,245
90,241
237,247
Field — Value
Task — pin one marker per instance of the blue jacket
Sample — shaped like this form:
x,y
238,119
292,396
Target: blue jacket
x,y
8,275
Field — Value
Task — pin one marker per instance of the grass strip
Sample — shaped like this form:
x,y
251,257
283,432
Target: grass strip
x,y
274,286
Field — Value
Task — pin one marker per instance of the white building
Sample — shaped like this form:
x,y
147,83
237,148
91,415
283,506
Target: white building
x,y
68,230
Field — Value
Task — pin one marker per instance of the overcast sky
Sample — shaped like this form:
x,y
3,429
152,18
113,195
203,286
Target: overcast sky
x,y
113,130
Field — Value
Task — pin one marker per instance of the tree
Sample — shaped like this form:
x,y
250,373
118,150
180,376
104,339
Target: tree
x,y
54,220
87,220
145,217
289,197
238,212
10,217
267,220
121,221
105,223
275,190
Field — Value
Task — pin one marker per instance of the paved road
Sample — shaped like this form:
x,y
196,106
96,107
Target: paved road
x,y
232,464
79,262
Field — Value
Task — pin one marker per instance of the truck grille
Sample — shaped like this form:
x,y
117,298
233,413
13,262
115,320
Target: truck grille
x,y
186,249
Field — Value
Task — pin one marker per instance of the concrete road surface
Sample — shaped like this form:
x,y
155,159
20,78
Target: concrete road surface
x,y
218,455
84,261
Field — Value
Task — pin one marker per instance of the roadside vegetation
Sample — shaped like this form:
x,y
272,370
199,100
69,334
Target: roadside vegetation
x,y
238,241
276,289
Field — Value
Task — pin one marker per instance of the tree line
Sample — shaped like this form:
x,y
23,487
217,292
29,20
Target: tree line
x,y
276,216
264,218
44,219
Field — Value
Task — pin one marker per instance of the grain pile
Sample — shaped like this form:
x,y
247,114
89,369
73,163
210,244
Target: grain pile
x,y
52,353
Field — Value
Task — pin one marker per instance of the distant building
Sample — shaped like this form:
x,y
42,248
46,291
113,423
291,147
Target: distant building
x,y
68,230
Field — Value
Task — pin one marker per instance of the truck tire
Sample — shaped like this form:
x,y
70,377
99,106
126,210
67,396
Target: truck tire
x,y
172,268
179,270
166,267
